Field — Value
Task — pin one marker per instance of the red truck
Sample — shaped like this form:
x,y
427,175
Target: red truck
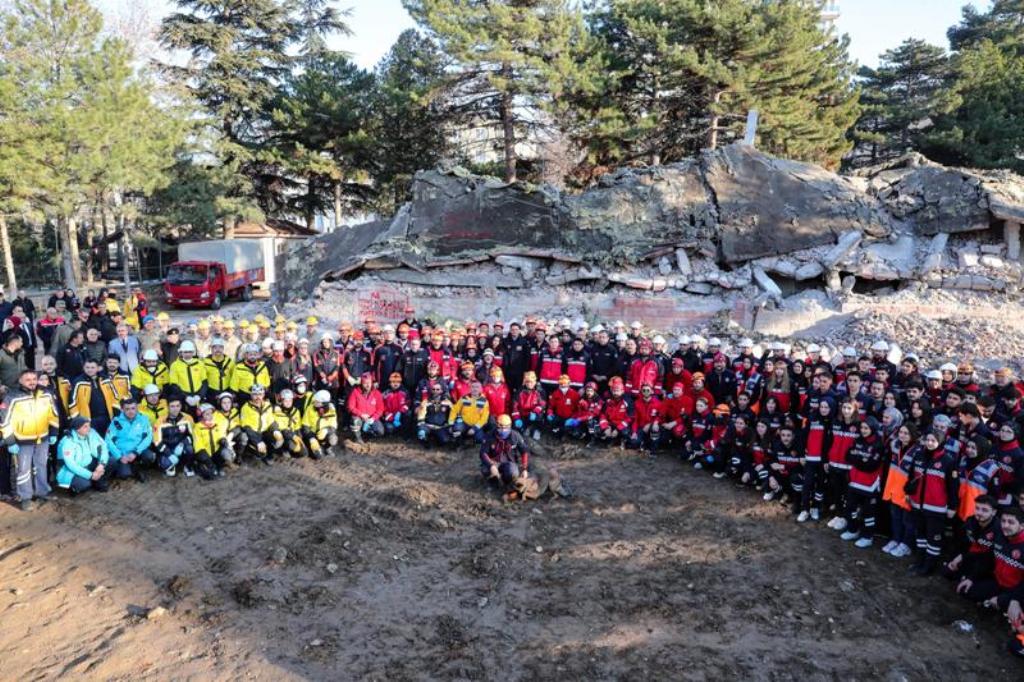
x,y
207,273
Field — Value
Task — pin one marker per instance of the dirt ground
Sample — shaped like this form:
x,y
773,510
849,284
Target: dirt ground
x,y
392,563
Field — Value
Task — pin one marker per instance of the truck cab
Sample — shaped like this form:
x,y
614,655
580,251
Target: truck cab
x,y
198,283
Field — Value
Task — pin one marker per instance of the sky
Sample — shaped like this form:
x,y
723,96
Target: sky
x,y
873,25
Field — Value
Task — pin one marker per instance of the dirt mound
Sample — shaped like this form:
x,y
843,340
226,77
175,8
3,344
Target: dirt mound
x,y
396,563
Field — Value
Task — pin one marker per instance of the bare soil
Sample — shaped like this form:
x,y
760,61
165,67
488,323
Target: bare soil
x,y
394,563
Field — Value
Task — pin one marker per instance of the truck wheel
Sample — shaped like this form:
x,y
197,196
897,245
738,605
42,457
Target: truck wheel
x,y
247,293
216,302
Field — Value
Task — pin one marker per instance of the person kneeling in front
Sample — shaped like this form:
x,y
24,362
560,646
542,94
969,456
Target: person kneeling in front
x,y
84,458
504,457
128,442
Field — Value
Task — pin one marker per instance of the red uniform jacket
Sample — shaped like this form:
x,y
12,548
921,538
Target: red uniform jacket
x,y
617,414
499,400
395,402
563,405
360,403
644,370
647,412
527,401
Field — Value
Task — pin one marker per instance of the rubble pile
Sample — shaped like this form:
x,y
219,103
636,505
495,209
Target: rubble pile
x,y
734,231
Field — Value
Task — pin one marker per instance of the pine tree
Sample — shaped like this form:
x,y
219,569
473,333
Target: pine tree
x,y
987,128
408,116
238,57
901,100
681,76
516,61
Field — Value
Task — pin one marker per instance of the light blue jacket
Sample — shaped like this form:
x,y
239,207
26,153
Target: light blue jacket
x,y
77,453
129,436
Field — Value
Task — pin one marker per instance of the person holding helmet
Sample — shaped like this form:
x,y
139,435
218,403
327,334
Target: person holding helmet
x,y
219,367
320,425
187,377
153,406
252,370
213,452
129,443
616,420
151,370
504,458
470,416
396,405
287,432
366,406
256,424
432,417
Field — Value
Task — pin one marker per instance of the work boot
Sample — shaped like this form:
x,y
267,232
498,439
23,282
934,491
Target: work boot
x,y
27,505
359,437
139,476
930,562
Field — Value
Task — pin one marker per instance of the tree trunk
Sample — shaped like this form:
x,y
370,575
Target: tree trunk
x,y
90,239
337,204
70,251
229,227
5,244
508,125
126,253
713,130
105,253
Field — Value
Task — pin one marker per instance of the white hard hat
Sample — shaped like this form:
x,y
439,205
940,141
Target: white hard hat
x,y
217,341
619,323
684,340
636,325
814,348
697,338
880,346
267,343
278,345
912,357
187,347
948,367
252,348
621,336
598,328
565,323
658,339
850,352
746,342
778,345
933,374
321,397
257,388
285,394
326,335
151,389
205,407
150,356
714,341
385,328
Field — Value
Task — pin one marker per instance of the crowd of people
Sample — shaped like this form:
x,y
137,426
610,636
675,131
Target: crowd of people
x,y
927,457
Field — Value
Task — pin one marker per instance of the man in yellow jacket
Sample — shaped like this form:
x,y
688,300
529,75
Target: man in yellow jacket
x,y
470,417
151,370
257,422
29,427
219,368
92,397
320,424
187,377
252,370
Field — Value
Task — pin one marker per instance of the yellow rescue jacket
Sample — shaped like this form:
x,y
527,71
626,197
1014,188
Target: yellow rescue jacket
x,y
230,420
29,417
243,377
122,386
259,419
156,413
188,376
81,395
142,376
318,422
289,419
474,411
165,424
207,438
218,373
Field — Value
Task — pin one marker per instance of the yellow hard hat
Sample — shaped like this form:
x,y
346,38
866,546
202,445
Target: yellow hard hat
x,y
204,324
292,324
243,323
280,328
230,324
312,320
279,319
163,316
263,322
504,421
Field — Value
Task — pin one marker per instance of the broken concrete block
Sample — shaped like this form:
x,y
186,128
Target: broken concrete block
x,y
994,262
848,283
702,288
519,262
1011,235
659,284
938,243
967,258
440,278
932,262
992,249
808,271
664,266
683,263
630,280
833,282
764,281
574,275
845,245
